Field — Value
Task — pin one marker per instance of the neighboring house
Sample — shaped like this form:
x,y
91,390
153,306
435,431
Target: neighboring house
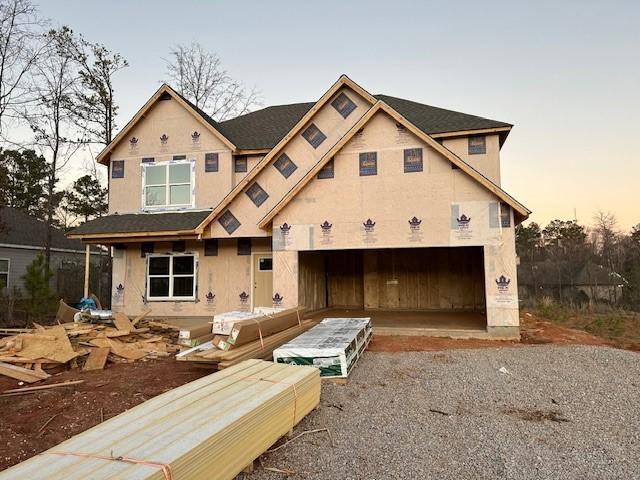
x,y
588,283
22,238
355,202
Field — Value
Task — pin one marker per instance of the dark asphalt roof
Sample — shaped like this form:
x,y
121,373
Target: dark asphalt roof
x,y
142,222
19,228
264,128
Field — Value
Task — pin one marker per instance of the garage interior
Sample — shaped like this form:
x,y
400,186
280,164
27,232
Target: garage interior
x,y
411,291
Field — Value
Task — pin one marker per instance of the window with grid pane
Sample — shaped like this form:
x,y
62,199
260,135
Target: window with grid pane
x,y
171,277
168,184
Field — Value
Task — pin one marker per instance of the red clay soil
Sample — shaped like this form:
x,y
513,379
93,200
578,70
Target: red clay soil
x,y
533,330
76,408
32,423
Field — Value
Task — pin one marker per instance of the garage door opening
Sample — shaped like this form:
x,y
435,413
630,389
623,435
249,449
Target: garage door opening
x,y
425,291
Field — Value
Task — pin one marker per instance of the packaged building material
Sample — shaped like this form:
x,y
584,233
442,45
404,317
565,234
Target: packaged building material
x,y
211,428
193,331
256,349
333,346
223,322
245,331
192,342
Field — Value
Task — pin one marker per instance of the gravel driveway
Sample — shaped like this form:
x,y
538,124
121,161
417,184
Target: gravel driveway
x,y
559,412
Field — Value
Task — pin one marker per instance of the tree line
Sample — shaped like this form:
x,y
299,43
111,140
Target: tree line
x,y
558,252
58,102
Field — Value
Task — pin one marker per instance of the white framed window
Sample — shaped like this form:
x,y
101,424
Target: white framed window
x,y
168,184
4,272
171,277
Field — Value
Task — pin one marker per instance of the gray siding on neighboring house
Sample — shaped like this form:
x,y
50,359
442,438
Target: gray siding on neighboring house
x,y
20,258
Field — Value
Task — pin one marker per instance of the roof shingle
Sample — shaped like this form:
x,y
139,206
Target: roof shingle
x,y
20,228
264,128
142,222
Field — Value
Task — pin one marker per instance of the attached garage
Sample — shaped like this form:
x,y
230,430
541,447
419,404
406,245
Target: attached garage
x,y
407,290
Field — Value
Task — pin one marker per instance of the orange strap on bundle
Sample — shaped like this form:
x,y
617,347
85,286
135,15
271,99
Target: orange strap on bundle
x,y
295,395
166,469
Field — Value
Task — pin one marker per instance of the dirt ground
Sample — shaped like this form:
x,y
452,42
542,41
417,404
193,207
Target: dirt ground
x,y
533,330
70,410
35,422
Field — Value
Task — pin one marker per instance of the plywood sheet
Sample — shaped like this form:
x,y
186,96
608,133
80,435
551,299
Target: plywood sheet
x,y
97,358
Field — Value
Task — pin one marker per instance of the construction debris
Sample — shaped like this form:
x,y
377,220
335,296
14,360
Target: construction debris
x,y
213,427
333,346
29,353
19,391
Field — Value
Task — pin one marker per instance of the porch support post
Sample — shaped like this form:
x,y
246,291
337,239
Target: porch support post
x,y
87,263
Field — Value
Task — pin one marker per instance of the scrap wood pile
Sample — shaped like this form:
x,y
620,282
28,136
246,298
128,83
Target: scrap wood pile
x,y
253,337
213,427
30,354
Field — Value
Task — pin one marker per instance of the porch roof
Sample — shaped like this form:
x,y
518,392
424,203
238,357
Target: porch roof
x,y
137,223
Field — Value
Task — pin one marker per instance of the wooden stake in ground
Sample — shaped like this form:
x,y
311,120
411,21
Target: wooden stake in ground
x,y
20,391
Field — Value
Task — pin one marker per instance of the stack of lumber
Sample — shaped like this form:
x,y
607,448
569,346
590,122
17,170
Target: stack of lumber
x,y
213,427
27,355
250,338
333,346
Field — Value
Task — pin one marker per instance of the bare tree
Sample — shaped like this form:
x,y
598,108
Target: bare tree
x,y
51,118
198,75
21,45
95,105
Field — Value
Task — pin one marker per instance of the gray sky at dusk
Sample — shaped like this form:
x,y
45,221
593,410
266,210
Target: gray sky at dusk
x,y
565,73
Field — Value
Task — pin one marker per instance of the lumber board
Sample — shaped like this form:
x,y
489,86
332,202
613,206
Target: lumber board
x,y
210,428
245,331
21,373
122,322
40,387
97,359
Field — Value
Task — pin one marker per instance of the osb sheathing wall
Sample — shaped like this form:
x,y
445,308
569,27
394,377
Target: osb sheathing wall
x,y
391,199
486,163
168,117
331,123
226,276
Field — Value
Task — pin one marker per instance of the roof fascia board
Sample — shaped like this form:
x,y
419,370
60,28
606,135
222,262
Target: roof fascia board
x,y
464,133
343,80
169,233
164,88
380,105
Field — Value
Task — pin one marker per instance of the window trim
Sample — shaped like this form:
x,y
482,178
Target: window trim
x,y
171,297
167,206
8,272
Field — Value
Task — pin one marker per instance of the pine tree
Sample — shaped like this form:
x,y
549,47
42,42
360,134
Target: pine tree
x,y
87,198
